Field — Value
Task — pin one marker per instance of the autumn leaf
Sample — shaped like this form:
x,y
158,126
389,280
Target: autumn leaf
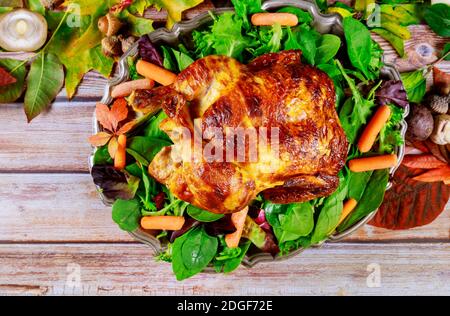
x,y
410,203
100,139
6,78
175,8
110,120
12,92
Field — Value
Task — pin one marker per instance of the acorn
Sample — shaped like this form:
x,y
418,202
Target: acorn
x,y
438,104
111,46
126,42
109,24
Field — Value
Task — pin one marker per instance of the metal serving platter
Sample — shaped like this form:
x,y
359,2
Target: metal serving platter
x,y
180,33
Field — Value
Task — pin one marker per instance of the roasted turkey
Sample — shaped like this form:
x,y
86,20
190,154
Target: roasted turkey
x,y
275,92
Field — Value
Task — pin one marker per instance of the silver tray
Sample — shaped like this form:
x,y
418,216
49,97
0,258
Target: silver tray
x,y
323,23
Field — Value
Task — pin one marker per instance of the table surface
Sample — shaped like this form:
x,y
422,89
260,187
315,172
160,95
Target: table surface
x,y
56,237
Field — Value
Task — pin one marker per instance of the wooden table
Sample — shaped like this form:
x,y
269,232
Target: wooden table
x,y
56,237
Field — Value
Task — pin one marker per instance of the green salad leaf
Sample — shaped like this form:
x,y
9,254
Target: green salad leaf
x,y
438,18
192,252
328,47
371,198
126,214
202,215
330,212
359,44
415,85
229,259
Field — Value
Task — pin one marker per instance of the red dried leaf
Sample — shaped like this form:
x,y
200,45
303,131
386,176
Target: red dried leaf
x,y
423,161
410,203
113,145
118,112
103,116
126,128
435,150
6,78
435,175
100,139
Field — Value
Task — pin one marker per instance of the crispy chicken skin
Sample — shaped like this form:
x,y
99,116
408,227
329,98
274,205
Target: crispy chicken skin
x,y
275,91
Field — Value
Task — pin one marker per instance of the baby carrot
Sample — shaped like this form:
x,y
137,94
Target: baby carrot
x,y
153,72
349,206
121,154
126,88
238,219
162,222
265,19
372,163
374,127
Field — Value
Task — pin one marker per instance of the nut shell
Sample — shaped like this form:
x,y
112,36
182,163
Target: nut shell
x,y
111,46
438,104
109,24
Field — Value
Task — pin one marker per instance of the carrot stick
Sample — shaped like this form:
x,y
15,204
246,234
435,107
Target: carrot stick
x,y
349,206
435,175
266,19
423,161
126,88
162,222
372,163
121,154
238,219
153,72
374,127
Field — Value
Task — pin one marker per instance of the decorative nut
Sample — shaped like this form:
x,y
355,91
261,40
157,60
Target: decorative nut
x,y
126,42
109,24
111,46
441,133
438,104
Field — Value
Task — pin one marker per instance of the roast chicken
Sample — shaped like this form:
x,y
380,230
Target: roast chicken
x,y
275,92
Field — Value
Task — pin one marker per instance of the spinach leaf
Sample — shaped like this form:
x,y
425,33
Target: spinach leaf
x,y
438,18
359,44
192,252
307,39
355,111
147,147
183,60
330,213
298,220
328,47
168,61
126,214
202,215
102,157
371,199
152,129
357,182
229,259
415,85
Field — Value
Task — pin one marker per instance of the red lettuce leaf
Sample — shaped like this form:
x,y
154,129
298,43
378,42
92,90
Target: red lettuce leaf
x,y
148,51
392,91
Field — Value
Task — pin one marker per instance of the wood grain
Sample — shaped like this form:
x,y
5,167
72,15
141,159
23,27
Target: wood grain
x,y
66,208
340,269
55,141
